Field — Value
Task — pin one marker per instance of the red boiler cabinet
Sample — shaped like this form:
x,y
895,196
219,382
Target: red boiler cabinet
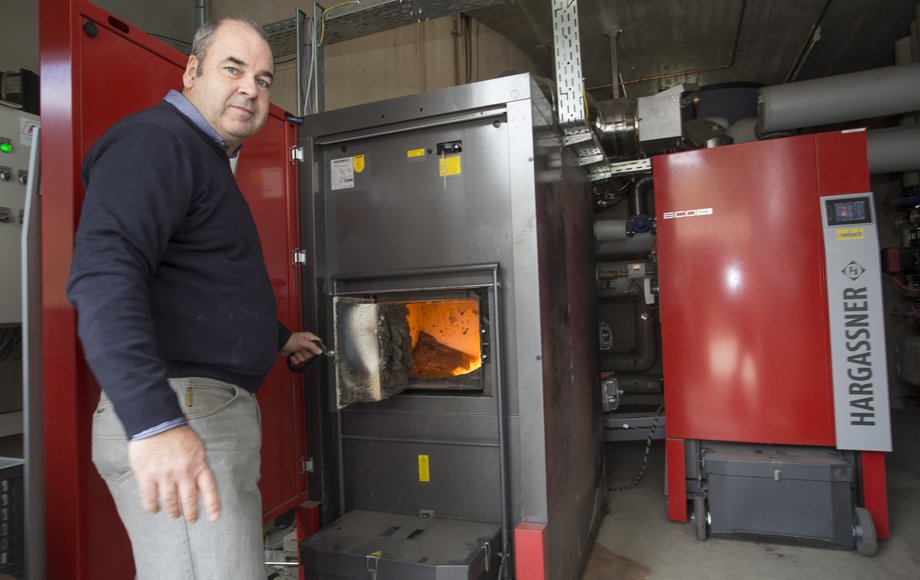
x,y
776,395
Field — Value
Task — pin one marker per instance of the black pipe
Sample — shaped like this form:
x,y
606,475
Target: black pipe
x,y
638,199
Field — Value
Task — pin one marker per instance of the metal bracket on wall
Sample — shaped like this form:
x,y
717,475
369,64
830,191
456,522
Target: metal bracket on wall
x,y
298,257
635,167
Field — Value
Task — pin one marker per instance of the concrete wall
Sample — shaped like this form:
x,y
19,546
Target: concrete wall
x,y
166,19
416,58
19,31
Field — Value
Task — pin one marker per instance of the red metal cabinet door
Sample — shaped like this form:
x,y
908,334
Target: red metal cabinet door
x,y
96,69
743,306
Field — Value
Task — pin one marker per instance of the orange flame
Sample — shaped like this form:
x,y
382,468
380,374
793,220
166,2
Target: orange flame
x,y
453,323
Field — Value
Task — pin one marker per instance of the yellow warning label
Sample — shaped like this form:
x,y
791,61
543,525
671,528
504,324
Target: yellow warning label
x,y
449,165
423,473
415,153
851,233
377,554
358,161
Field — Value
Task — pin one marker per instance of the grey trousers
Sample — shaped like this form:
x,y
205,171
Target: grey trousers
x,y
226,417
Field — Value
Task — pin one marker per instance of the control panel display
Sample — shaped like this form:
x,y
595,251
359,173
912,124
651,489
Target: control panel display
x,y
849,211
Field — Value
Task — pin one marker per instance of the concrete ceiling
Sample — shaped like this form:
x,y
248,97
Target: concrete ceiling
x,y
669,42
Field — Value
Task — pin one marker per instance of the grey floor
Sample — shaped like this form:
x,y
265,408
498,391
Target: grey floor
x,y
637,542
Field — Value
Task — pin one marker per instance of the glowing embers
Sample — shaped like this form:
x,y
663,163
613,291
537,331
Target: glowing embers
x,y
445,338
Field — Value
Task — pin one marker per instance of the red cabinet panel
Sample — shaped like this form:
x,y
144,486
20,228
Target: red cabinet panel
x,y
95,70
745,342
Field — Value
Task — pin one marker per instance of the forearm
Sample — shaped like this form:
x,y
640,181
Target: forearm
x,y
129,212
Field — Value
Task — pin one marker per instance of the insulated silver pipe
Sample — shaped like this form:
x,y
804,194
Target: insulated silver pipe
x,y
637,245
894,150
862,95
611,239
905,53
610,230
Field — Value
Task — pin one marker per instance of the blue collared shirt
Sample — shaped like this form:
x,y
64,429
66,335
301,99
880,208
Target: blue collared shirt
x,y
180,102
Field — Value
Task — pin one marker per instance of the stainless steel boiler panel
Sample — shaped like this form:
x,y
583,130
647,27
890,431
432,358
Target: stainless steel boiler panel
x,y
467,175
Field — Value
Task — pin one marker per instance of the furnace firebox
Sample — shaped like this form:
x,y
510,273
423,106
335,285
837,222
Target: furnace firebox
x,y
451,240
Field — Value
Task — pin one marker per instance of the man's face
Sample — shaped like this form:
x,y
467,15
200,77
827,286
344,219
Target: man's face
x,y
232,91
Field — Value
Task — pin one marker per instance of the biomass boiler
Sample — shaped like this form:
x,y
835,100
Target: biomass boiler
x,y
458,423
772,340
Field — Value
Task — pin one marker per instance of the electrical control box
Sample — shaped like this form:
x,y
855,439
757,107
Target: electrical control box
x,y
16,129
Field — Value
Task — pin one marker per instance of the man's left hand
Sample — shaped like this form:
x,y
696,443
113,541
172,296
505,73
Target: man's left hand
x,y
301,347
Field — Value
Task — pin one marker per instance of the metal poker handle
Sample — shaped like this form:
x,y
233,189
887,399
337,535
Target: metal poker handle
x,y
298,368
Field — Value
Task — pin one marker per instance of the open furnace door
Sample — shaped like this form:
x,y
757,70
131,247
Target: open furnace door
x,y
95,70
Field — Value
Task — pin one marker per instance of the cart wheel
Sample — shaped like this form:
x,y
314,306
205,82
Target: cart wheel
x,y
866,538
699,517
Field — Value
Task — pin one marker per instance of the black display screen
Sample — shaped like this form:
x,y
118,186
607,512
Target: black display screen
x,y
849,211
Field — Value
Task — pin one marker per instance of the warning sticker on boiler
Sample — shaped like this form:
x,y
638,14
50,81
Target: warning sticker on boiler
x,y
449,165
26,130
851,233
342,173
423,472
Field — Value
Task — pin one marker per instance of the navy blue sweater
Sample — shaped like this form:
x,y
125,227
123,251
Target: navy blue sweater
x,y
168,276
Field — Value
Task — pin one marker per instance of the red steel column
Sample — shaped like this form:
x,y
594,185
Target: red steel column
x,y
530,551
677,480
875,494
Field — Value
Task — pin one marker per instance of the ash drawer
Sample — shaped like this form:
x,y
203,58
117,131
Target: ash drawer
x,y
794,493
401,547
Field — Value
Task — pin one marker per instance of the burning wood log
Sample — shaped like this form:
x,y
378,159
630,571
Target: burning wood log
x,y
435,360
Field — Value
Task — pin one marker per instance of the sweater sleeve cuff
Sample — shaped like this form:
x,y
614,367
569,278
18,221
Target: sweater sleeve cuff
x,y
283,335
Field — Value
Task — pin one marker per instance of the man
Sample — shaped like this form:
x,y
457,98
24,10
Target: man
x,y
177,315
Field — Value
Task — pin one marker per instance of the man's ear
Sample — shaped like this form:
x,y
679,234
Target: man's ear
x,y
191,72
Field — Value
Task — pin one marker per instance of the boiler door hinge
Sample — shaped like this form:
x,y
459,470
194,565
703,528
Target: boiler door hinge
x,y
306,465
299,257
296,154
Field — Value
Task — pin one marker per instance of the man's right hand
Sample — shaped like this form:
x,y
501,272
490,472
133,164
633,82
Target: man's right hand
x,y
171,470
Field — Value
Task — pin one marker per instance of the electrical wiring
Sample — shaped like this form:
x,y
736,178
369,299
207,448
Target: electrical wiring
x,y
648,446
311,72
322,34
308,72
